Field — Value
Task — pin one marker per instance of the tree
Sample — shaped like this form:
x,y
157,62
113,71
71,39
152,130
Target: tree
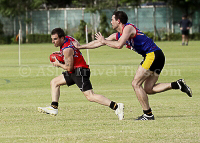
x,y
58,3
96,4
80,34
1,29
13,8
104,26
188,7
130,2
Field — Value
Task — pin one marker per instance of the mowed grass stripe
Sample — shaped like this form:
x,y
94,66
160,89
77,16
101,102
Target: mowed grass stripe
x,y
78,120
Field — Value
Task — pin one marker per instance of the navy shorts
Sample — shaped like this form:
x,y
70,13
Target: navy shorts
x,y
185,32
154,61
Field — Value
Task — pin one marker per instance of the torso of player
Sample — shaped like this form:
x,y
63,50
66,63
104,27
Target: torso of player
x,y
79,60
140,42
185,23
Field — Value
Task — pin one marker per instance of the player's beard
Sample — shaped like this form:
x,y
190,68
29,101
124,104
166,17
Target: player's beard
x,y
56,44
114,27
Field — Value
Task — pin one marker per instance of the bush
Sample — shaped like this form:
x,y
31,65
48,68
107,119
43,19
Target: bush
x,y
178,36
80,34
39,38
5,39
1,28
195,36
104,26
149,34
165,37
175,37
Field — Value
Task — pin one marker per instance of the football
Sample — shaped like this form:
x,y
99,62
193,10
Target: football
x,y
57,56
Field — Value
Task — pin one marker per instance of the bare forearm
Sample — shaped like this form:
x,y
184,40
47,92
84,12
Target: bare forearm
x,y
113,44
110,41
91,45
66,67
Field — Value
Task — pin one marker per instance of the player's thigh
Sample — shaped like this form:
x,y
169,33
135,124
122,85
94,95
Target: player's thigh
x,y
150,81
82,79
59,80
141,75
154,61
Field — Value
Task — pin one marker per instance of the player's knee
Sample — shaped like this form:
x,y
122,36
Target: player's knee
x,y
53,83
135,84
89,96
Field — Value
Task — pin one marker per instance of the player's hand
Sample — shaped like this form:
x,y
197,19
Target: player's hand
x,y
181,28
188,28
56,52
99,37
56,63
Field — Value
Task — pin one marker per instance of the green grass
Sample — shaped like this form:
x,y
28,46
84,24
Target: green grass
x,y
24,88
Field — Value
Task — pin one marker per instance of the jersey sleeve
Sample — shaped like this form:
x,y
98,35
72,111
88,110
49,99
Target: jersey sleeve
x,y
68,43
71,39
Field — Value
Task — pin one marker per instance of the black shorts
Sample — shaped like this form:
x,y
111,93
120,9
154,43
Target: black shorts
x,y
154,61
185,32
80,77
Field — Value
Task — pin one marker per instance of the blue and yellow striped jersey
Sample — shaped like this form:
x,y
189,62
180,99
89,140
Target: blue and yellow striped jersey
x,y
140,43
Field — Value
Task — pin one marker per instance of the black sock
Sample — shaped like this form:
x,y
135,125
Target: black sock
x,y
54,105
148,112
113,105
174,85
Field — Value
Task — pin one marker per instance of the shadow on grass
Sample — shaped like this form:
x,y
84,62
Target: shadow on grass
x,y
177,116
167,116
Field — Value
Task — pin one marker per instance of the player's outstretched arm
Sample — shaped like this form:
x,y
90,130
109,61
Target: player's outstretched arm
x,y
129,31
92,45
75,43
111,39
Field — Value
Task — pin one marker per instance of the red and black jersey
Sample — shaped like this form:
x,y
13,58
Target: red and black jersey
x,y
79,60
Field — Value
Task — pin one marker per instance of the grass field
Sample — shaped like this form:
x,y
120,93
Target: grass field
x,y
24,88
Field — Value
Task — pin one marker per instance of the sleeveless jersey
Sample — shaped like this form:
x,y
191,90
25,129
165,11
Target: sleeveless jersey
x,y
140,42
78,58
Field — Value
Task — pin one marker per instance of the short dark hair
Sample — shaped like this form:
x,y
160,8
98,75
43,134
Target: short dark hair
x,y
122,16
184,15
58,31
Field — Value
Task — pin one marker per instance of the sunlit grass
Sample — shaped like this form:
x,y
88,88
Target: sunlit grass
x,y
24,88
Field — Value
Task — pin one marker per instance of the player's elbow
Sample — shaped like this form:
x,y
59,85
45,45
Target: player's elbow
x,y
119,46
68,68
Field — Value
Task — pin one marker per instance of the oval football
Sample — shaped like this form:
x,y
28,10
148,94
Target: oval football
x,y
58,56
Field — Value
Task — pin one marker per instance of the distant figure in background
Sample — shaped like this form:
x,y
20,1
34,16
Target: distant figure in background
x,y
185,25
